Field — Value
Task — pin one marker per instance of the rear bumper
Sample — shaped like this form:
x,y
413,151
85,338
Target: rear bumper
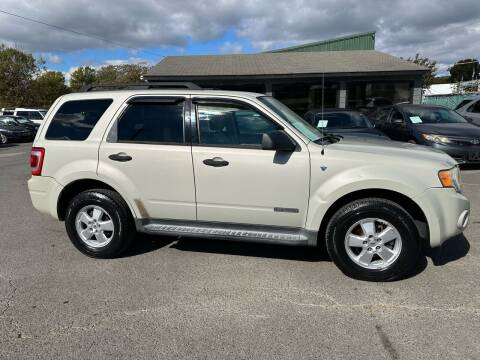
x,y
44,193
447,213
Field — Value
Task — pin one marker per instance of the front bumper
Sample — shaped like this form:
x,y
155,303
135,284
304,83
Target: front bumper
x,y
463,154
447,213
44,193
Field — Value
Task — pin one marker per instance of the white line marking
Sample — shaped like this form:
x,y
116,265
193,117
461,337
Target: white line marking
x,y
12,154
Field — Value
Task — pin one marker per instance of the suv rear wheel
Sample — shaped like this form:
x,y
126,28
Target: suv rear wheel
x,y
99,223
373,239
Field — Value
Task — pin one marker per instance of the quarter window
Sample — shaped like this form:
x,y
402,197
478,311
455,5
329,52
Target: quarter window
x,y
75,120
232,124
152,123
475,108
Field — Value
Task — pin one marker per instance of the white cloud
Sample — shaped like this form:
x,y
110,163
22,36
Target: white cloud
x,y
231,48
445,30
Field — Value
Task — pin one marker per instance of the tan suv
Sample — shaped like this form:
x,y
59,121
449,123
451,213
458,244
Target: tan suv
x,y
240,166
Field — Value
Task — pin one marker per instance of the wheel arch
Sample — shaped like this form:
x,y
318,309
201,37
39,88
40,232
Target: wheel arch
x,y
404,201
77,186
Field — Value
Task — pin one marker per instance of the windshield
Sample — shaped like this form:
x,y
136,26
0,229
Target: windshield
x,y
292,118
433,115
8,122
22,120
342,120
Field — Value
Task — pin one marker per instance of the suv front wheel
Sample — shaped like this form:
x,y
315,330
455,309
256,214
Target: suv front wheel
x,y
99,223
373,239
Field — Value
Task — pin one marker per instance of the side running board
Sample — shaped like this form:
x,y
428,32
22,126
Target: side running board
x,y
239,232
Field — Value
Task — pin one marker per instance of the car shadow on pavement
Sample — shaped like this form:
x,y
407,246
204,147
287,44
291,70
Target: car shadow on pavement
x,y
270,251
452,250
145,243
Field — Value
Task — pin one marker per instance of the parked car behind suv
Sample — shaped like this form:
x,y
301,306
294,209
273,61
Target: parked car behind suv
x,y
23,122
34,115
432,125
241,166
12,131
469,108
343,122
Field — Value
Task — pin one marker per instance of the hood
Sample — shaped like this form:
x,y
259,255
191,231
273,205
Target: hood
x,y
380,149
453,129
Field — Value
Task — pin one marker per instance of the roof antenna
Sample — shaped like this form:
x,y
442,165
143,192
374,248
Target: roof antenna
x,y
322,122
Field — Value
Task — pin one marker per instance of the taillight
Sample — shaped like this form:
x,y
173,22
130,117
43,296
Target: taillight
x,y
36,160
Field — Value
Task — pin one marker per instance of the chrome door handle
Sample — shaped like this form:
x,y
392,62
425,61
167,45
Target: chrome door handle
x,y
215,162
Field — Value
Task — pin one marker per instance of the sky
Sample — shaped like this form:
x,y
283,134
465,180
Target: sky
x,y
144,31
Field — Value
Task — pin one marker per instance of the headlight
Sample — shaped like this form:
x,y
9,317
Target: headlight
x,y
439,139
450,178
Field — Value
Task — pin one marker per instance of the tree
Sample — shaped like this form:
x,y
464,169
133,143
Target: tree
x,y
84,75
47,87
464,70
121,74
17,70
431,65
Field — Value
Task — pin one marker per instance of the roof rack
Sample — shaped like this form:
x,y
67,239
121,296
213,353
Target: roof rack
x,y
141,86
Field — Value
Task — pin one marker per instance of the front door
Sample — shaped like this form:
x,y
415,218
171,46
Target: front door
x,y
238,182
148,158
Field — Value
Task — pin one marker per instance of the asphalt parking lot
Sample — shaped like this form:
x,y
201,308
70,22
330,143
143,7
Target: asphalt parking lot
x,y
182,298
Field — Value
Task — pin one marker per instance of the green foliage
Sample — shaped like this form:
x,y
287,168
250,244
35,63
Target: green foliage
x,y
441,80
121,74
17,69
465,70
82,76
47,87
431,65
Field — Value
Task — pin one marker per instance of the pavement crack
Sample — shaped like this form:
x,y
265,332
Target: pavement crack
x,y
386,343
9,298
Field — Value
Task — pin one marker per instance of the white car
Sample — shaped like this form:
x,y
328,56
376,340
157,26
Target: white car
x,y
34,115
469,108
239,166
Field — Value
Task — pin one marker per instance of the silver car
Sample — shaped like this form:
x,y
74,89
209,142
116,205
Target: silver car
x,y
469,108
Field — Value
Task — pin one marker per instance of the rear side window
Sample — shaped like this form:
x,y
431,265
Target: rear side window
x,y
462,104
76,119
475,108
23,113
157,123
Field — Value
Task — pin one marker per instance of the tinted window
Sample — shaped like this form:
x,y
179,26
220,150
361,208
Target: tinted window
x,y
75,120
152,123
462,104
8,113
382,115
475,108
342,120
232,124
34,115
23,113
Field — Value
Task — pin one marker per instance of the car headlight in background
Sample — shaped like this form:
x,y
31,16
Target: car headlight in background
x,y
438,139
450,178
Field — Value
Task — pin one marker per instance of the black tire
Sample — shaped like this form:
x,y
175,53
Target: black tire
x,y
124,227
387,210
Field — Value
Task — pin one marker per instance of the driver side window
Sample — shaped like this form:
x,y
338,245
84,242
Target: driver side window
x,y
232,124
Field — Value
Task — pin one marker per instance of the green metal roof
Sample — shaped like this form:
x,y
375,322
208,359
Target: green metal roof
x,y
360,41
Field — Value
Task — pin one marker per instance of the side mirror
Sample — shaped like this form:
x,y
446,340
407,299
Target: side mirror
x,y
278,140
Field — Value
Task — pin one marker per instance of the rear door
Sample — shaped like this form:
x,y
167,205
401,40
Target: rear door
x,y
147,155
238,182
